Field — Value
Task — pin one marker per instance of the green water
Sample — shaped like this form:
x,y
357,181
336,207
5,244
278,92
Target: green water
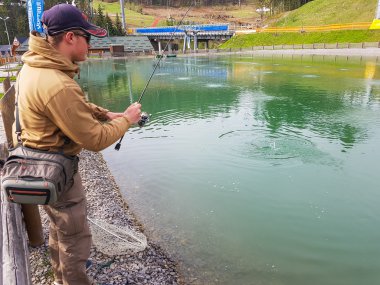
x,y
253,170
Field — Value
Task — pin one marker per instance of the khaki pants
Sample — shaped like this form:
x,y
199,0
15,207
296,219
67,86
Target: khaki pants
x,y
69,237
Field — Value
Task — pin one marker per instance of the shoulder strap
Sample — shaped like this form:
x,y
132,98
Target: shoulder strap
x,y
18,126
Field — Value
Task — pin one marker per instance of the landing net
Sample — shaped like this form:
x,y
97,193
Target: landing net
x,y
112,239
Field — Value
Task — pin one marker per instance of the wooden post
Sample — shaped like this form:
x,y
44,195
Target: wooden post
x,y
7,106
6,84
31,214
14,249
33,224
14,267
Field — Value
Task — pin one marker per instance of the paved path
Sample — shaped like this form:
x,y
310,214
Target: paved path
x,y
370,52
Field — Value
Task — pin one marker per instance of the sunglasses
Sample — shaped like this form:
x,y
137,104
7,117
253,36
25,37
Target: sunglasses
x,y
86,36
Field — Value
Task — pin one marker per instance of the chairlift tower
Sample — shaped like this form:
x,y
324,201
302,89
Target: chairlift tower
x,y
123,15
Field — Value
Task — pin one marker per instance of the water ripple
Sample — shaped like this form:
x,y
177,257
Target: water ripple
x,y
263,145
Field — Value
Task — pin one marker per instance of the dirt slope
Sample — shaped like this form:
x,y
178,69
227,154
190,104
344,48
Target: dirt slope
x,y
245,15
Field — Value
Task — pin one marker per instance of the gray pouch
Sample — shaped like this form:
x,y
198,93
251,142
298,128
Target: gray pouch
x,y
31,176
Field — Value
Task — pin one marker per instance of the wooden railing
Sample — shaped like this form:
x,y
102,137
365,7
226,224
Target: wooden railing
x,y
15,267
7,59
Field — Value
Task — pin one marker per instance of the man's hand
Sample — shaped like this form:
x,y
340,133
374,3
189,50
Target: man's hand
x,y
112,115
133,113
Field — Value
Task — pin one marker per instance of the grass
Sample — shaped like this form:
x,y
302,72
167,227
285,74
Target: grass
x,y
110,8
244,12
132,18
12,78
316,13
259,39
325,12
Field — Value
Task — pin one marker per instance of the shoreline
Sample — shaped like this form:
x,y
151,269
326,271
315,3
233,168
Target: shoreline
x,y
104,201
369,52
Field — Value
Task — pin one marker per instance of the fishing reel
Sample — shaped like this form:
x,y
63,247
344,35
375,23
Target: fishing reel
x,y
144,119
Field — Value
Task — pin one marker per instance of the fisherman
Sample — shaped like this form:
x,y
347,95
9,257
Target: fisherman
x,y
55,116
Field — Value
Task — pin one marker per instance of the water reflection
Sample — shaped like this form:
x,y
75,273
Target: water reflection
x,y
318,105
315,102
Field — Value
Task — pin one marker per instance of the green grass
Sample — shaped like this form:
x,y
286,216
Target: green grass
x,y
244,13
259,39
132,18
12,78
325,12
111,8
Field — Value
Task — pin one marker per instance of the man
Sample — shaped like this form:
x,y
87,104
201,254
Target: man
x,y
55,116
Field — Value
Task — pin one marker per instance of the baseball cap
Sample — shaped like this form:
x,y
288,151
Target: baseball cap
x,y
66,17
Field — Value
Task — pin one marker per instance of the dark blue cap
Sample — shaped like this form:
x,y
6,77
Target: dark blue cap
x,y
66,17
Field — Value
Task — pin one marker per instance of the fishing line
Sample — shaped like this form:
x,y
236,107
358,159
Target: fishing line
x,y
144,115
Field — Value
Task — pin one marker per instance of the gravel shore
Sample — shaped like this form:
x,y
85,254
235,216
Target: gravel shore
x,y
151,266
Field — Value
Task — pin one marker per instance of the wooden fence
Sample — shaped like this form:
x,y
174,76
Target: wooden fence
x,y
7,59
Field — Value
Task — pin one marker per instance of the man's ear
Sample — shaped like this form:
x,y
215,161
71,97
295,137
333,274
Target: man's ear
x,y
68,37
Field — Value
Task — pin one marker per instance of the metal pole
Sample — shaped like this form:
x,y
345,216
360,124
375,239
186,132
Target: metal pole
x,y
6,30
9,43
123,15
195,41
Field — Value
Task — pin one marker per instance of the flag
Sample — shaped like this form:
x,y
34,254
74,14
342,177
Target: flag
x,y
35,10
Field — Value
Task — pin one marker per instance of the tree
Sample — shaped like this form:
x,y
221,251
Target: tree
x,y
15,24
110,26
100,19
119,26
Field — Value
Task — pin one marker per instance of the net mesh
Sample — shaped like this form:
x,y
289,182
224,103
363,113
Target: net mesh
x,y
112,239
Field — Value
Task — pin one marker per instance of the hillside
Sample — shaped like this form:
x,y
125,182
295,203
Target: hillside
x,y
145,16
325,12
317,12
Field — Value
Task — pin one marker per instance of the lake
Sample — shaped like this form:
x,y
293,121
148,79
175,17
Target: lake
x,y
252,170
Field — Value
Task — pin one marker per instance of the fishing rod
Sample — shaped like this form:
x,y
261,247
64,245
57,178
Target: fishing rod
x,y
144,115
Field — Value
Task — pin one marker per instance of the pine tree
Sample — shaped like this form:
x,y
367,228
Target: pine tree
x,y
119,26
110,26
100,19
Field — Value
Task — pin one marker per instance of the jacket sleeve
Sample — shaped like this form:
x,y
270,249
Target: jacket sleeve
x,y
98,112
70,112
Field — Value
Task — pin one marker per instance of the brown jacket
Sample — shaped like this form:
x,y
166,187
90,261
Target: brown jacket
x,y
54,113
